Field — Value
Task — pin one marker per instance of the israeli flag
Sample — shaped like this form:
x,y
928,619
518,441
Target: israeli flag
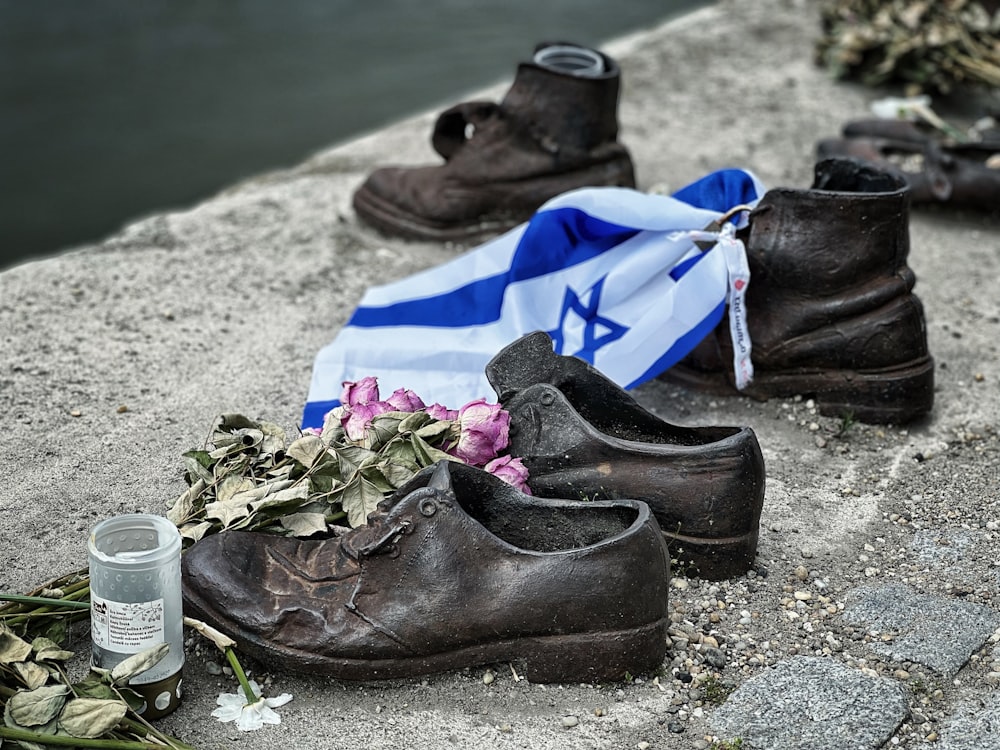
x,y
612,274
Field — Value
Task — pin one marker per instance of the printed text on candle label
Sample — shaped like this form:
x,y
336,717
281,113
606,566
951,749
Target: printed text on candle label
x,y
126,628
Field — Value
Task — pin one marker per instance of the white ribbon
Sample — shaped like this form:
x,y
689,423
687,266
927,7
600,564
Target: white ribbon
x,y
738,279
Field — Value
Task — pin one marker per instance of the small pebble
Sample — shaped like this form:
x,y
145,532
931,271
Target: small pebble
x,y
488,678
212,668
643,745
570,721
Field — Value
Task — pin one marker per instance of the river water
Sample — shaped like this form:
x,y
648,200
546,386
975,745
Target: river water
x,y
110,110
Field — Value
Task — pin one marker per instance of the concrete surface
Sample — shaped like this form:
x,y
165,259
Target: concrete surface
x,y
116,358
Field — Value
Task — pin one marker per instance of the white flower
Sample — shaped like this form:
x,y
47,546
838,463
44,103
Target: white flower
x,y
895,108
233,706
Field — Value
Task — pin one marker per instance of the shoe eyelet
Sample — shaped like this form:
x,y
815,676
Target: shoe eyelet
x,y
427,508
547,399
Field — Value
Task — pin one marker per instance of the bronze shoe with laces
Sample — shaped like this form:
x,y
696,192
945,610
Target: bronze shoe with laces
x,y
455,570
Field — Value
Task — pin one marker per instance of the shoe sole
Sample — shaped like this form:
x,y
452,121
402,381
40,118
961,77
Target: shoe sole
x,y
593,657
390,219
894,395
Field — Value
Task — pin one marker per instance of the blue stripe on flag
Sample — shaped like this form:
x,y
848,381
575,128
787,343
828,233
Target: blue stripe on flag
x,y
553,240
720,191
682,347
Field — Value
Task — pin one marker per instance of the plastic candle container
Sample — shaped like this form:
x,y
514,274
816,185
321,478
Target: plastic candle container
x,y
135,603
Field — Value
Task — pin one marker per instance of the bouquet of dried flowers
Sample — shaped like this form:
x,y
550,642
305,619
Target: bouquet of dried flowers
x,y
934,45
248,476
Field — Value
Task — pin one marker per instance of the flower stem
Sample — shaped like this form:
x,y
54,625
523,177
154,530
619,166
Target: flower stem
x,y
24,735
248,692
44,601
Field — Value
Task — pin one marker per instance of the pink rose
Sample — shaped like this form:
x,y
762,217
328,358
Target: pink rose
x,y
442,413
357,419
360,403
484,430
404,399
511,470
365,391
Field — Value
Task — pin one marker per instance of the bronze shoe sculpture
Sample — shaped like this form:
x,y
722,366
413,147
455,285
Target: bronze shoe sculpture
x,y
456,569
937,169
830,307
581,435
556,129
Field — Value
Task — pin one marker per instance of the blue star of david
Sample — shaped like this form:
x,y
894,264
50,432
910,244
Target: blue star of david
x,y
598,331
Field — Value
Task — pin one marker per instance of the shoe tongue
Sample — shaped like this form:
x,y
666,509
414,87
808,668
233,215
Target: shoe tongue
x,y
441,478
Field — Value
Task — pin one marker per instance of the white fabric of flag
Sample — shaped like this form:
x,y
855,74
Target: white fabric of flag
x,y
612,274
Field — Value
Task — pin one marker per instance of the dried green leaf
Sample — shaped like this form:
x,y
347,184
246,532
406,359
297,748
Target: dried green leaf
x,y
415,421
306,450
383,428
94,686
396,473
401,453
374,475
49,728
351,458
234,422
12,647
435,430
48,650
290,497
88,718
198,465
32,708
322,484
273,442
232,485
195,531
427,454
186,505
227,513
304,524
358,499
31,674
138,663
56,630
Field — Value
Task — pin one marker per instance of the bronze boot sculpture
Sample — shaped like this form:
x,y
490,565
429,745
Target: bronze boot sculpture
x,y
937,169
456,569
555,130
581,435
830,308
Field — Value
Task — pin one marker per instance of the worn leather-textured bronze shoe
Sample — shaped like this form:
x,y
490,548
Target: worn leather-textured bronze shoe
x,y
830,307
555,130
456,569
581,435
965,175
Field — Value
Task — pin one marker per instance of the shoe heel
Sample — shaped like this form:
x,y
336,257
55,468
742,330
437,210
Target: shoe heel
x,y
712,559
596,657
894,396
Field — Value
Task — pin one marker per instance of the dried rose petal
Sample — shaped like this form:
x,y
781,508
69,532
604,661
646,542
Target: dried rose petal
x,y
404,399
365,391
511,470
484,432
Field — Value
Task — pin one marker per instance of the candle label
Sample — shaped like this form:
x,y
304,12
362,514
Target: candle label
x,y
126,628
